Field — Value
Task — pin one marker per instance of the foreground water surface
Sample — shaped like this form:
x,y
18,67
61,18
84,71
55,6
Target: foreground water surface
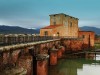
x,y
79,66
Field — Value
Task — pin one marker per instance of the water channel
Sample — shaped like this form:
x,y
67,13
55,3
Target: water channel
x,y
77,66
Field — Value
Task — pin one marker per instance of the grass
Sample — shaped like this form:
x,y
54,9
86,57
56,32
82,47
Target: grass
x,y
97,45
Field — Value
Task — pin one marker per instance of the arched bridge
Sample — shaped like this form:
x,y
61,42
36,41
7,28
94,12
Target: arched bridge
x,y
28,54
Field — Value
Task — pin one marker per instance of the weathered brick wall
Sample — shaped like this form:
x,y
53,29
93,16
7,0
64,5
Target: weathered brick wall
x,y
61,30
97,40
25,61
88,37
57,18
42,67
72,45
11,58
14,56
43,30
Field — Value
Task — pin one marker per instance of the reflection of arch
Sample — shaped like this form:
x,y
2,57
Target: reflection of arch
x,y
57,33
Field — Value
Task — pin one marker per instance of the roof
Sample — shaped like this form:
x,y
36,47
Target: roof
x,y
63,14
57,14
51,26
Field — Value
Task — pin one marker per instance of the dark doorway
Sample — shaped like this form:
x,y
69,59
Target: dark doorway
x,y
46,33
57,33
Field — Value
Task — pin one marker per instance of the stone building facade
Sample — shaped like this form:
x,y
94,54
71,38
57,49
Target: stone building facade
x,y
61,25
88,37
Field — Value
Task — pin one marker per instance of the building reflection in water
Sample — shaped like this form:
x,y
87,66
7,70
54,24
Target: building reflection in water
x,y
79,66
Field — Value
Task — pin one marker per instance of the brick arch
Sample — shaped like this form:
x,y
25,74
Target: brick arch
x,y
20,53
45,50
32,51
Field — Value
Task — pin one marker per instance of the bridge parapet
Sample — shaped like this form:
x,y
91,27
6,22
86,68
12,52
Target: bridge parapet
x,y
22,38
11,39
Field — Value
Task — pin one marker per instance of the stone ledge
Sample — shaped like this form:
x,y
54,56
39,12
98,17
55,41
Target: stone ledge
x,y
8,48
42,56
53,50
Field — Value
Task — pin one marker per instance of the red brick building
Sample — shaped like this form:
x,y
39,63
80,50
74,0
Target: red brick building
x,y
88,37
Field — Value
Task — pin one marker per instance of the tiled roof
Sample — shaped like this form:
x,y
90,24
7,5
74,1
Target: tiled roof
x,y
51,26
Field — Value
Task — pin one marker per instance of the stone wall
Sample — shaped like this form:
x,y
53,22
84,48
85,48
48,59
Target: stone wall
x,y
63,24
88,37
42,32
72,45
97,40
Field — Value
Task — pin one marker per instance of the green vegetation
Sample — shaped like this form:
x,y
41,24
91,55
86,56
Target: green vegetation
x,y
97,46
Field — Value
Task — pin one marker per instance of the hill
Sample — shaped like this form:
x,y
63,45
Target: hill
x,y
87,28
19,30
16,30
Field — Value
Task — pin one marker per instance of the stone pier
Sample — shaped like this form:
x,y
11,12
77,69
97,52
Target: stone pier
x,y
53,56
59,53
42,64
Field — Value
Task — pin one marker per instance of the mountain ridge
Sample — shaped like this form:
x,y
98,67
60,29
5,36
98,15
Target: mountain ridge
x,y
88,28
4,29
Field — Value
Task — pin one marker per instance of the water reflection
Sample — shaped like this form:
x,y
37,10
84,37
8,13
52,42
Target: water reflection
x,y
79,66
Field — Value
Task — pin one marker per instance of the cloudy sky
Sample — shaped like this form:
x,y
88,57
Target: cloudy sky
x,y
35,13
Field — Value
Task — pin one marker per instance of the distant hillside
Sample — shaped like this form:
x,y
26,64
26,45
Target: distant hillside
x,y
87,28
17,30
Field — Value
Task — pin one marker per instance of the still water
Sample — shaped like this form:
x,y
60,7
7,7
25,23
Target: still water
x,y
79,66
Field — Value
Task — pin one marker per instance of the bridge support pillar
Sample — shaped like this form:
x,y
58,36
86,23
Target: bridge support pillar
x,y
53,56
59,53
42,64
63,49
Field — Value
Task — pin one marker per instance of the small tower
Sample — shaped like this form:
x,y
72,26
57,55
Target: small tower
x,y
56,19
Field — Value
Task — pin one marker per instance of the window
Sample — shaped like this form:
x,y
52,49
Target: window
x,y
57,33
46,33
70,24
83,36
54,23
